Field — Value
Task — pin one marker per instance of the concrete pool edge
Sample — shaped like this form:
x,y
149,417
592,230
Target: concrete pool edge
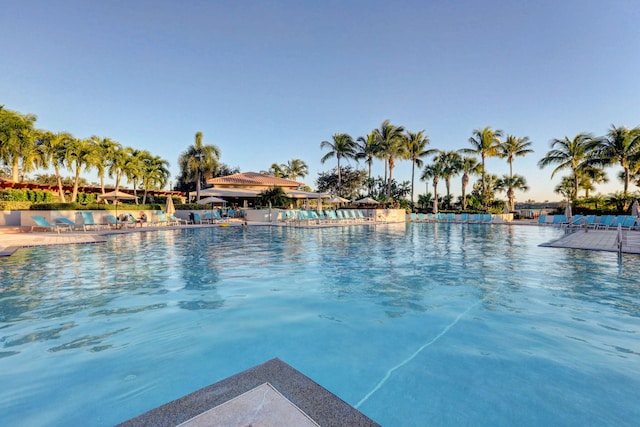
x,y
319,404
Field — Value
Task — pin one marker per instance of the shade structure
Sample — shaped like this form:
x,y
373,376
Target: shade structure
x,y
115,196
337,199
168,207
366,201
634,208
210,199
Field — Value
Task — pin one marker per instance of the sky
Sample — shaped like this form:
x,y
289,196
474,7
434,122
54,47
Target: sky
x,y
268,81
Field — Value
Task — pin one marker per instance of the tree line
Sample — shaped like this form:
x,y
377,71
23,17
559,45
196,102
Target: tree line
x,y
584,157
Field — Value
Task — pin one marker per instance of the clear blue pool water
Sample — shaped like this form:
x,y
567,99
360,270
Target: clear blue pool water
x,y
416,324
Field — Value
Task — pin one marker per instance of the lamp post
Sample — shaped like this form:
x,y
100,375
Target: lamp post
x,y
198,156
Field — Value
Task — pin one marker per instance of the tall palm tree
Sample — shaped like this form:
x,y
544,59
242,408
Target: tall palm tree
x,y
573,154
433,171
135,168
17,146
416,143
105,148
155,174
296,168
391,139
468,166
198,161
513,147
368,149
485,143
451,163
275,170
511,183
118,164
621,145
51,148
341,146
78,157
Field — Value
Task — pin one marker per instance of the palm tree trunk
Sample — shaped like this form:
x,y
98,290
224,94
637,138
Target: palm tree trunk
x,y
465,181
391,166
59,180
413,167
339,176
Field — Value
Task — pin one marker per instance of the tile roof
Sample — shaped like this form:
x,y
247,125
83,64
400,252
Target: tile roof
x,y
253,179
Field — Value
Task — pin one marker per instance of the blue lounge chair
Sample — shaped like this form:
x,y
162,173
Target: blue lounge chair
x,y
66,222
542,219
41,222
88,223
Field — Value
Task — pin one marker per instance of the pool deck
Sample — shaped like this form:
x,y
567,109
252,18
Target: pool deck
x,y
272,394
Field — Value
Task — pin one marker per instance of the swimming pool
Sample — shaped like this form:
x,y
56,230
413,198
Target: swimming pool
x,y
416,324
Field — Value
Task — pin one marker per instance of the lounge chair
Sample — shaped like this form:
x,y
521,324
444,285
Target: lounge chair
x,y
88,223
559,220
68,223
197,219
41,222
413,217
542,219
178,221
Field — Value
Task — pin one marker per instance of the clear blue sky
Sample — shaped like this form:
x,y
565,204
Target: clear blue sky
x,y
267,81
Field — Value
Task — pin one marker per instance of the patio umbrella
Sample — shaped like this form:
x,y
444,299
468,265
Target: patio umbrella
x,y
634,208
567,210
337,199
168,207
367,201
212,200
116,196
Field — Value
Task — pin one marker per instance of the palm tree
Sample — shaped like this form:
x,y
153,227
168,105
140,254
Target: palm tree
x,y
572,154
592,175
468,166
485,143
391,139
416,144
433,171
451,164
105,149
621,145
78,156
295,168
274,170
155,174
51,148
198,161
367,149
343,146
17,145
118,164
514,147
135,168
511,183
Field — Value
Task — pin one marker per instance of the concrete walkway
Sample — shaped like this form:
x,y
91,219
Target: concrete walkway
x,y
598,240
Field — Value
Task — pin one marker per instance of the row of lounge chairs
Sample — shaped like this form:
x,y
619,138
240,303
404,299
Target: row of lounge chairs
x,y
341,216
596,222
86,222
480,218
